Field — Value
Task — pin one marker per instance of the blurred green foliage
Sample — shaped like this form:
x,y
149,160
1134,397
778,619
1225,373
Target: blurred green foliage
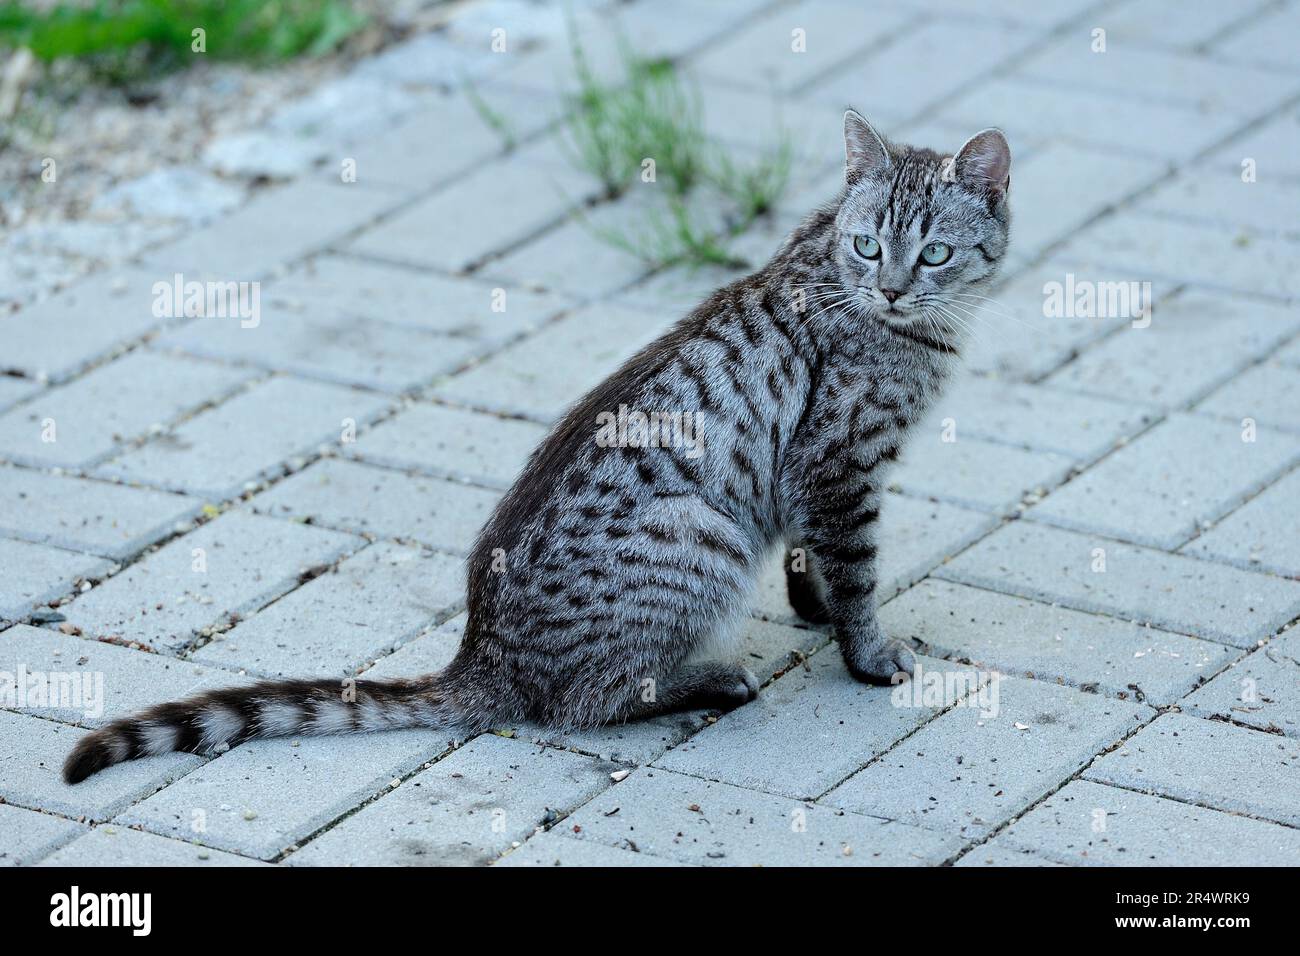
x,y
109,33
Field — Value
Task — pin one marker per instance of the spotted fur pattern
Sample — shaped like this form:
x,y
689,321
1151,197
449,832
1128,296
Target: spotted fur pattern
x,y
608,570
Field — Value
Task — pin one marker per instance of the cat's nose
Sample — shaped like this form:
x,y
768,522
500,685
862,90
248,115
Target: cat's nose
x,y
891,294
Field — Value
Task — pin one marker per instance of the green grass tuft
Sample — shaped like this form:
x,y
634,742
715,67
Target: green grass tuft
x,y
652,112
114,35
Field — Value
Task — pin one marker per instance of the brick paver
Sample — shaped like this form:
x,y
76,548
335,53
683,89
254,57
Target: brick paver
x,y
974,767
1109,541
1087,824
231,566
1209,763
694,821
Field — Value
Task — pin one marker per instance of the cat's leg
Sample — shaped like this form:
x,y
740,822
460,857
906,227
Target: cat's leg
x,y
803,585
841,530
708,685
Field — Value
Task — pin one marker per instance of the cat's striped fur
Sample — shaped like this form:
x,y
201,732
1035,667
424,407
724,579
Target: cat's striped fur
x,y
606,570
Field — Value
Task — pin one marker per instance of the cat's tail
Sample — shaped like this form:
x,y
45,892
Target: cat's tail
x,y
205,722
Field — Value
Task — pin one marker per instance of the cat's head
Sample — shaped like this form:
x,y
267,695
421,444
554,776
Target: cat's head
x,y
917,229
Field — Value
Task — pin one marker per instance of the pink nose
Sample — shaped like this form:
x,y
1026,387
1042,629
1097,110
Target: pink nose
x,y
891,294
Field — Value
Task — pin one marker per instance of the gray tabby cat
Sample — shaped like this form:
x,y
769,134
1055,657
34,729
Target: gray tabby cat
x,y
607,570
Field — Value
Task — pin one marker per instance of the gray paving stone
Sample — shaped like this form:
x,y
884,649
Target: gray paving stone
x,y
941,57
1029,111
375,501
769,648
667,29
1138,71
1274,145
417,153
681,818
1035,417
1209,763
90,319
1085,181
1220,198
765,44
1170,482
26,836
163,602
915,536
1163,249
461,309
760,122
1024,332
467,808
425,654
347,350
635,744
1021,637
95,516
1168,591
974,473
452,443
263,797
13,390
111,405
278,227
1169,23
593,254
1019,12
532,187
553,849
1141,830
969,771
1194,342
247,438
539,377
1260,690
805,733
990,855
104,681
1268,393
364,607
677,290
1263,41
113,846
1262,535
30,771
32,574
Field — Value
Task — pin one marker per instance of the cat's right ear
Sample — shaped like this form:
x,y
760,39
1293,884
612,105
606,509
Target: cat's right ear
x,y
864,150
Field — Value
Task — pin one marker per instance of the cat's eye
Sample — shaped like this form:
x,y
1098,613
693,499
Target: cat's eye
x,y
936,253
866,247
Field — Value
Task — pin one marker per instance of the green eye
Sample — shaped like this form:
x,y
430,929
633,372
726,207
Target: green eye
x,y
936,253
866,247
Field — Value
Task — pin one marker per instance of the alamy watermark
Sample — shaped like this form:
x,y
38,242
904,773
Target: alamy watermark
x,y
81,691
948,688
1085,299
630,428
221,300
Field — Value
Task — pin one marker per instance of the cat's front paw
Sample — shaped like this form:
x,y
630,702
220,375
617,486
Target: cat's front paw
x,y
880,661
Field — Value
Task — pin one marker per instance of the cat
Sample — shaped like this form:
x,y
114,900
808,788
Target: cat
x,y
610,565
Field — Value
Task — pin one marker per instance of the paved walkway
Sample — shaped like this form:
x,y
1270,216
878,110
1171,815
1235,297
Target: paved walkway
x,y
1094,546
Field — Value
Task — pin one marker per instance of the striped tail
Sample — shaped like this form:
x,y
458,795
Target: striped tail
x,y
203,723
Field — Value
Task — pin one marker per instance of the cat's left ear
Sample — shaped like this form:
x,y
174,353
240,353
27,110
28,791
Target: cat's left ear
x,y
984,163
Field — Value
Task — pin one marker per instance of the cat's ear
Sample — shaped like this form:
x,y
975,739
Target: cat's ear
x,y
864,151
984,162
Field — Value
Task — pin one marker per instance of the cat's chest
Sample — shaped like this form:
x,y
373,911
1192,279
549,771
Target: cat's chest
x,y
867,398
